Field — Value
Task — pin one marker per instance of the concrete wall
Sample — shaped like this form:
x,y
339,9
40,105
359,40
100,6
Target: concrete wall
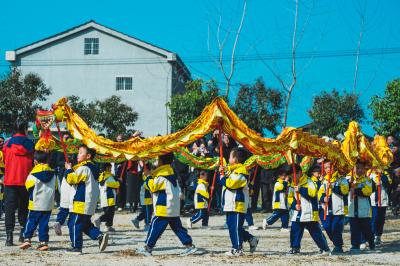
x,y
64,67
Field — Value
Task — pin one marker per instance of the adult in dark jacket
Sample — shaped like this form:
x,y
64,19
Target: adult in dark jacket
x,y
18,160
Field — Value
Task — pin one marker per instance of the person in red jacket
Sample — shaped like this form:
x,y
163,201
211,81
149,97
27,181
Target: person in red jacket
x,y
18,161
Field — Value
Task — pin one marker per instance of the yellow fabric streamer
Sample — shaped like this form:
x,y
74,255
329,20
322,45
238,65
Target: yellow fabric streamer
x,y
291,139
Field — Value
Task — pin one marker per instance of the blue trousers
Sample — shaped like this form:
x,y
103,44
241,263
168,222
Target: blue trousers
x,y
35,219
158,226
79,224
279,213
378,220
249,217
62,215
145,214
1,208
359,228
333,226
238,235
201,214
297,231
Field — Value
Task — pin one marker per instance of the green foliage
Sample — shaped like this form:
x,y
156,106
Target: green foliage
x,y
108,116
187,106
259,107
386,110
332,112
21,96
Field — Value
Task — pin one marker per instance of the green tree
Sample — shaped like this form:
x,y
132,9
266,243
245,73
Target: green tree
x,y
332,112
21,96
86,110
386,110
259,107
186,106
109,116
114,117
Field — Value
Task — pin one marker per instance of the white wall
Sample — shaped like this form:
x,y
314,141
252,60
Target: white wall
x,y
64,67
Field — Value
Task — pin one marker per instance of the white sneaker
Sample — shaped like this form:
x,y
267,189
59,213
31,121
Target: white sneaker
x,y
205,227
110,229
363,246
253,227
285,230
187,251
119,209
253,244
57,228
264,224
189,223
234,252
97,223
146,251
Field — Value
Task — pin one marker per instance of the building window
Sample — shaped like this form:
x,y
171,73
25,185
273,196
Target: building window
x,y
91,46
124,83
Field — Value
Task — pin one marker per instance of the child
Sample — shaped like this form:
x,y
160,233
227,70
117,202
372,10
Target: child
x,y
303,200
163,185
360,208
84,194
337,201
379,207
279,200
41,187
235,197
201,197
146,210
108,195
63,210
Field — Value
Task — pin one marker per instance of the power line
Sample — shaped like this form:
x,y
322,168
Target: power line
x,y
209,59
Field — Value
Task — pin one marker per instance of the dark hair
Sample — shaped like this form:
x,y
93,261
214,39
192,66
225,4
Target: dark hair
x,y
90,151
166,158
20,126
41,157
1,137
105,166
297,168
314,168
284,169
240,154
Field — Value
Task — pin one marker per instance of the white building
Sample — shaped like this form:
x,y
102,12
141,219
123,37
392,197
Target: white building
x,y
94,62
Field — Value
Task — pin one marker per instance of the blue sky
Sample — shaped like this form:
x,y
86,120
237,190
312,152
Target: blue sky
x,y
189,29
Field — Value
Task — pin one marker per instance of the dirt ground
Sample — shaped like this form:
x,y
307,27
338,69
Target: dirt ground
x,y
212,243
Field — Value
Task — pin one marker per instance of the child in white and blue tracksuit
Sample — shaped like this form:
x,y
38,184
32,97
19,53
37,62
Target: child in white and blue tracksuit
x,y
379,207
337,200
41,187
108,193
163,185
236,201
146,208
279,200
303,200
201,197
84,195
360,208
63,210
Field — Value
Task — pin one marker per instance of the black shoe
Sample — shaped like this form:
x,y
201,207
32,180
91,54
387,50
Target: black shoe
x,y
103,241
21,238
293,251
337,251
9,238
74,251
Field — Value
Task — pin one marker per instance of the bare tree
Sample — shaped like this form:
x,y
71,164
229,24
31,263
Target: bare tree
x,y
221,43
